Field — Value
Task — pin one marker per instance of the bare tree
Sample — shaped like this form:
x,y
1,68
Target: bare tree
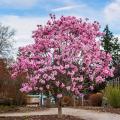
x,y
6,38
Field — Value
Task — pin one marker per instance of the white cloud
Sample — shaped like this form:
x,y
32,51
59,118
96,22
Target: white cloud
x,y
78,10
111,14
18,3
67,7
23,26
112,11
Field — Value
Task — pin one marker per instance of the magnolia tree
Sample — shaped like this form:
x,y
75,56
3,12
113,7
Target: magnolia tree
x,y
64,58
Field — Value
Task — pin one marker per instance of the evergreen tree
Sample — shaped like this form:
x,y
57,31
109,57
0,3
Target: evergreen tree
x,y
111,45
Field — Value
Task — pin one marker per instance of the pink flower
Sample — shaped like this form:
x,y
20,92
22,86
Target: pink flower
x,y
57,83
80,87
59,95
68,88
41,88
81,78
48,86
55,72
67,66
65,54
91,88
62,85
99,79
26,88
42,81
35,88
45,76
106,71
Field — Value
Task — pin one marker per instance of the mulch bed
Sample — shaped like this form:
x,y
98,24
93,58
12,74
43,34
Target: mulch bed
x,y
101,109
11,109
42,117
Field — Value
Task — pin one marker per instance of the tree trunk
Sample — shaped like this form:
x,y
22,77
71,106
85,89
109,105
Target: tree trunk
x,y
74,101
82,100
59,108
41,100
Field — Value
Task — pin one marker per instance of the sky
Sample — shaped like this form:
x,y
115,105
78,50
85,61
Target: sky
x,y
24,15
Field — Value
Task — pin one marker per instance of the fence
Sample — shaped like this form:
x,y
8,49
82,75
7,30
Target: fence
x,y
115,82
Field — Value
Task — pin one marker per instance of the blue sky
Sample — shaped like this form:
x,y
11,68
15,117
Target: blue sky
x,y
43,7
24,15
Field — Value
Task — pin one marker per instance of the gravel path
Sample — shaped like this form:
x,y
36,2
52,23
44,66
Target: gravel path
x,y
84,114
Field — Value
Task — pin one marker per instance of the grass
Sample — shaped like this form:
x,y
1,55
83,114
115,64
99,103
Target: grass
x,y
113,96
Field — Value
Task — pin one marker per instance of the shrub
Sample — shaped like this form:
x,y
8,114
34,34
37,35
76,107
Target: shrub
x,y
113,96
96,99
66,101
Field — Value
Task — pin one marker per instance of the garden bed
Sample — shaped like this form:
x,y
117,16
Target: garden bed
x,y
42,117
102,109
11,109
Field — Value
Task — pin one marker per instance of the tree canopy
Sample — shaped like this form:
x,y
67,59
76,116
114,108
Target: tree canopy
x,y
65,56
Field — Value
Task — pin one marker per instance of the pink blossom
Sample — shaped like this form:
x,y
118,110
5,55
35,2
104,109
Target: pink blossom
x,y
35,88
48,86
99,79
45,76
65,54
55,72
62,85
59,95
81,78
80,87
57,83
91,88
68,88
41,88
67,66
42,81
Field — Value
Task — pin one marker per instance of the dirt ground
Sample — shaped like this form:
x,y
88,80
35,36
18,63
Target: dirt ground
x,y
101,109
42,117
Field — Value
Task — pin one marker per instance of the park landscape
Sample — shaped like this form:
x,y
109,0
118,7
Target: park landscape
x,y
71,71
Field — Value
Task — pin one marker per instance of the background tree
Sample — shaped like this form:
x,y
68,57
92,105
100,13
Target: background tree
x,y
65,58
10,89
6,37
107,40
111,45
4,78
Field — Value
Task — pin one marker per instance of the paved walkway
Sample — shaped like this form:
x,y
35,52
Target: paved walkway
x,y
85,114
